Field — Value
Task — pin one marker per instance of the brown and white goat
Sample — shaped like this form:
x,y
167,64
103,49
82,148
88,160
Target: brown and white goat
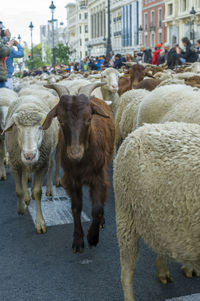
x,y
86,144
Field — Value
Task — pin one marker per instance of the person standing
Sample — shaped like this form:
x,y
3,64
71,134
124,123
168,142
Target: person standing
x,y
156,54
19,53
189,55
4,52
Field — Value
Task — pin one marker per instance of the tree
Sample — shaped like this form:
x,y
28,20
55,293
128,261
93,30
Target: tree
x,y
37,58
62,54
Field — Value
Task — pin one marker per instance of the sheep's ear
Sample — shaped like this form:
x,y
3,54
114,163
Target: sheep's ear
x,y
97,110
48,119
9,124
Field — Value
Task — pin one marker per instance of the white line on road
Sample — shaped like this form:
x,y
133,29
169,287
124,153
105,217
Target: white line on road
x,y
195,297
57,209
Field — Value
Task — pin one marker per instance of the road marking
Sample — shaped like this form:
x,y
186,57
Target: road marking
x,y
57,209
195,297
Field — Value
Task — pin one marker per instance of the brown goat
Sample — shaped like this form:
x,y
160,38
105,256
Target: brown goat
x,y
148,84
193,81
134,76
86,144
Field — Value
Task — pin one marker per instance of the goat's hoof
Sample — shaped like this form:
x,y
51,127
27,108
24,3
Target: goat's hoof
x,y
190,272
93,239
102,223
164,279
6,161
40,227
27,201
78,245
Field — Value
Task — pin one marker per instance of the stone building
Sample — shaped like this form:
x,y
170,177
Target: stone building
x,y
153,27
179,20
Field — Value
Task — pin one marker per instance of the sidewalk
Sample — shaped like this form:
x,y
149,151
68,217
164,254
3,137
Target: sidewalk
x,y
195,297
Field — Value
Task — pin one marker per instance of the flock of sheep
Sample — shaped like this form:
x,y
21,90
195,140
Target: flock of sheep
x,y
156,149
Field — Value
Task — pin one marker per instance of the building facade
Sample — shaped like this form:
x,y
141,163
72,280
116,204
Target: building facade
x,y
153,27
77,26
179,20
126,19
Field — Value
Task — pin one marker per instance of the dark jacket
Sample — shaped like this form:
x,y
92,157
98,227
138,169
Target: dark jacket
x,y
173,59
189,54
147,56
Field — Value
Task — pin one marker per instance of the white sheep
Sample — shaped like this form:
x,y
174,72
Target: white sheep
x,y
30,150
157,195
170,103
7,96
126,114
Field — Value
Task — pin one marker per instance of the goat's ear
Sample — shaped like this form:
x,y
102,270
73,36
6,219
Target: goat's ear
x,y
48,119
9,124
97,110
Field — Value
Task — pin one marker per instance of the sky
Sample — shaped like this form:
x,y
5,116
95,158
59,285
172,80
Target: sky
x,y
17,15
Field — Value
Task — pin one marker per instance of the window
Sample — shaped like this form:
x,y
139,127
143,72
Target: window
x,y
183,5
146,41
80,42
86,15
170,9
152,17
160,17
80,54
160,37
79,16
86,53
152,40
80,29
86,28
145,21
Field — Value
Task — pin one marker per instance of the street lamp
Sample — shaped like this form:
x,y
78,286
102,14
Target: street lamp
x,y
192,33
52,8
109,46
31,29
19,38
140,29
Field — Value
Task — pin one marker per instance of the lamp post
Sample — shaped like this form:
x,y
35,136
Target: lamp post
x,y
109,45
52,8
31,29
19,38
192,33
140,29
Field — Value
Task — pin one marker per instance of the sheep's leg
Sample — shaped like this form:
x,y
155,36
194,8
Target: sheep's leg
x,y
2,156
163,273
75,194
37,194
57,165
49,186
25,176
98,192
21,205
128,242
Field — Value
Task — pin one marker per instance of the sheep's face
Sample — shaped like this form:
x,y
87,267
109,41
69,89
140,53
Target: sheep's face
x,y
30,140
111,77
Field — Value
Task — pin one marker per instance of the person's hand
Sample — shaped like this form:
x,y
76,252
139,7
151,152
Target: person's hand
x,y
10,43
15,43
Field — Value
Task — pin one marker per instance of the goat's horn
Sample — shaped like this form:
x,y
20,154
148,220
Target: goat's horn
x,y
60,89
87,90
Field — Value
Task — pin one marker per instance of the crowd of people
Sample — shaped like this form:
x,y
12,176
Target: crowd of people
x,y
162,54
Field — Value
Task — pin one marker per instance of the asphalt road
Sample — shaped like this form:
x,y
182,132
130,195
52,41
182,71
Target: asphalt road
x,y
42,267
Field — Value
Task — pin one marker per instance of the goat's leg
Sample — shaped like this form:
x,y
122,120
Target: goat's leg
x,y
49,186
37,194
98,191
75,194
25,176
2,156
57,167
